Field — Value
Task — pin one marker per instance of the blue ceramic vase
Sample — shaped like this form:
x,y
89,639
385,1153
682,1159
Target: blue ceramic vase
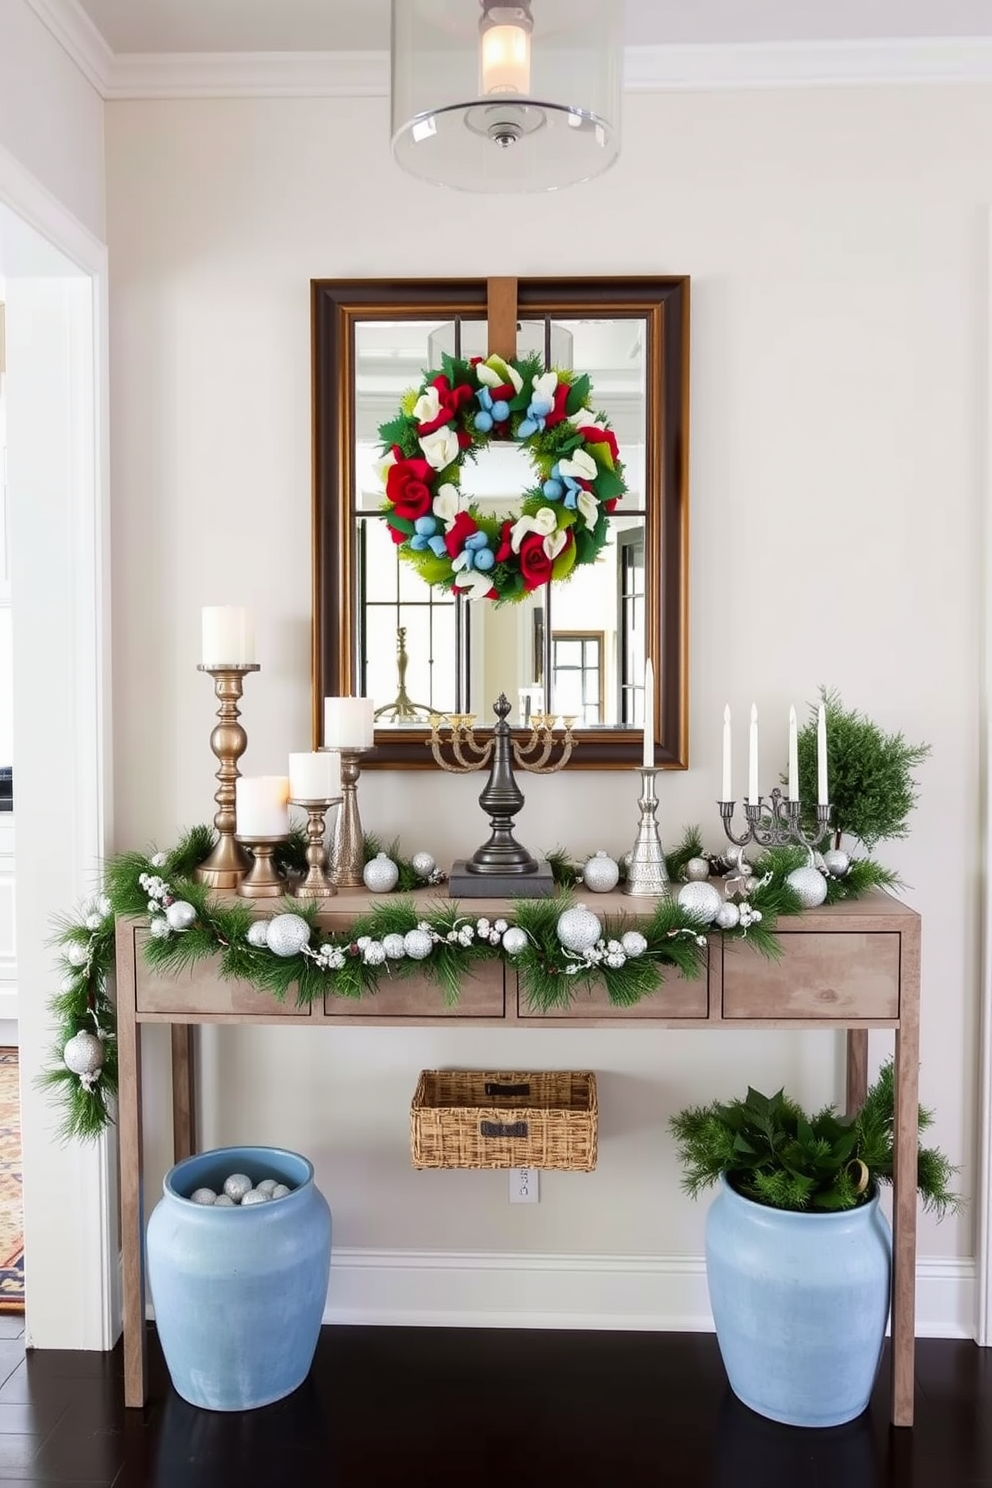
x,y
239,1293
800,1302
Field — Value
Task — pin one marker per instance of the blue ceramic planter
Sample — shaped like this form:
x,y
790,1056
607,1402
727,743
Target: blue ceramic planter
x,y
239,1293
800,1303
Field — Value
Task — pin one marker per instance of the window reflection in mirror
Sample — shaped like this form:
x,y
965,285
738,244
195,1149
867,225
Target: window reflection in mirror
x,y
421,650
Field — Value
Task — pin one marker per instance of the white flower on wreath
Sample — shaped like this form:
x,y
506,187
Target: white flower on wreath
x,y
427,406
582,418
382,466
544,522
440,448
494,373
544,386
448,502
473,584
580,466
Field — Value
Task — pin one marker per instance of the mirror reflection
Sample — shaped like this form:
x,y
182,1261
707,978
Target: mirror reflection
x,y
576,648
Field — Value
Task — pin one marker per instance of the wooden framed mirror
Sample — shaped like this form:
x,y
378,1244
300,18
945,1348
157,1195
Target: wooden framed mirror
x,y
577,647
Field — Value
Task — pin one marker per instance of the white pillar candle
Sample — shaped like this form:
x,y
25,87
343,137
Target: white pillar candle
x,y
752,758
261,805
822,794
228,636
727,777
649,714
315,777
348,723
793,757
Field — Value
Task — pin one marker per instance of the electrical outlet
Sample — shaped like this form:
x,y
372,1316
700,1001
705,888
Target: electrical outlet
x,y
525,1186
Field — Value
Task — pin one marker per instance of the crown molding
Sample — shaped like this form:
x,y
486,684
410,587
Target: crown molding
x,y
654,69
76,34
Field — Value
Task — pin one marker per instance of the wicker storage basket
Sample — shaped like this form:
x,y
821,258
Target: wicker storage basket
x,y
480,1119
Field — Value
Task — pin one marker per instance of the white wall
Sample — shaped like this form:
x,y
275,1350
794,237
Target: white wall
x,y
50,116
837,247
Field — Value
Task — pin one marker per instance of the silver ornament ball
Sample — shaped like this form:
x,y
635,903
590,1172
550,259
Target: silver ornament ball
x,y
281,1190
836,862
423,864
236,1185
514,940
578,929
76,954
180,915
634,943
380,874
254,1196
696,870
727,916
258,934
374,953
700,900
601,873
158,927
223,1201
394,947
83,1054
417,944
203,1196
809,884
288,934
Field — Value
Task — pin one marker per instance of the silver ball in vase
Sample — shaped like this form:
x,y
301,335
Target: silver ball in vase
x,y
634,943
514,940
578,929
380,874
700,900
601,873
236,1185
727,916
288,934
696,870
393,946
180,915
423,864
836,862
83,1054
418,944
203,1196
258,934
809,885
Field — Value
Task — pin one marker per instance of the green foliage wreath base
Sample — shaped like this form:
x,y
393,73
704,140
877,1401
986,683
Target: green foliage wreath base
x,y
674,941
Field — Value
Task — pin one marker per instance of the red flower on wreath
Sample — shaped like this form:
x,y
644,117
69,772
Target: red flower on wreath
x,y
408,488
593,435
450,399
504,551
535,565
559,412
462,527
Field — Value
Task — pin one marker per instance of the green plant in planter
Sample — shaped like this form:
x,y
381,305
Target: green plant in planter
x,y
872,789
772,1152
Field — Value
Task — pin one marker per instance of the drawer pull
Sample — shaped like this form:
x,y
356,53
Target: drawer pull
x,y
492,1088
503,1128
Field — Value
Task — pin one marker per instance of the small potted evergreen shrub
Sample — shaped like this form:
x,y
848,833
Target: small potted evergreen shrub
x,y
798,1252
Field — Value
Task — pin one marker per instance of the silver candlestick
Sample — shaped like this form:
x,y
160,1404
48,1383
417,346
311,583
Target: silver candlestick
x,y
348,844
776,822
647,871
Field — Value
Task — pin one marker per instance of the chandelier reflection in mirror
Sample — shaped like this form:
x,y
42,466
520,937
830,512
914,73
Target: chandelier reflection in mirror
x,y
506,97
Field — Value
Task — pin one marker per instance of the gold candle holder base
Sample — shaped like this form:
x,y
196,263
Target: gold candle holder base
x,y
263,879
228,862
348,846
316,885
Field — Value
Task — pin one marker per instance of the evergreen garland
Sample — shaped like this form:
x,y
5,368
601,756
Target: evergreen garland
x,y
341,964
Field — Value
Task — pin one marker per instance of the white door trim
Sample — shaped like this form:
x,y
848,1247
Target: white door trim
x,y
80,1309
983,1192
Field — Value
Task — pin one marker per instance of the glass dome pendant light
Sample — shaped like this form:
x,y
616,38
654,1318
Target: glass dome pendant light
x,y
506,97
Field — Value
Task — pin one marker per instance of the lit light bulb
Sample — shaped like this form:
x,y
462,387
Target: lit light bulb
x,y
505,60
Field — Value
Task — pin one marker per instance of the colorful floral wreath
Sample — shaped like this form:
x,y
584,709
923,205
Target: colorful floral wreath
x,y
562,521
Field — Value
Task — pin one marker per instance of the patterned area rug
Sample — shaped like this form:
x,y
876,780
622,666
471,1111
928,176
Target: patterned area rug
x,y
11,1213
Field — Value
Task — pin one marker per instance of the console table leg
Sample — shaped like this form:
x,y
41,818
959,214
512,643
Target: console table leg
x,y
904,1205
857,1069
129,1145
183,1092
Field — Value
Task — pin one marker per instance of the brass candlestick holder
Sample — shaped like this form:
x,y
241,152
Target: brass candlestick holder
x,y
316,885
228,862
263,879
402,709
541,753
647,871
348,843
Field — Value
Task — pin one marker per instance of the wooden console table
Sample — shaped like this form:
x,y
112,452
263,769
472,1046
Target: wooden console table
x,y
848,967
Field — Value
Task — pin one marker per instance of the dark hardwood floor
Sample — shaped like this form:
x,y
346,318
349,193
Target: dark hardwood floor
x,y
425,1408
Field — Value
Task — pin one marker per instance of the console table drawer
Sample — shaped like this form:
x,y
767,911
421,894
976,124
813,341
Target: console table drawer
x,y
481,995
199,990
675,998
822,976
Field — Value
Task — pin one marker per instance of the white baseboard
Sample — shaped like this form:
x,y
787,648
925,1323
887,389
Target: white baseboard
x,y
644,1293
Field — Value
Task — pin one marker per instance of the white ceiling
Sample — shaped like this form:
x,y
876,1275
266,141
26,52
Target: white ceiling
x,y
164,26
